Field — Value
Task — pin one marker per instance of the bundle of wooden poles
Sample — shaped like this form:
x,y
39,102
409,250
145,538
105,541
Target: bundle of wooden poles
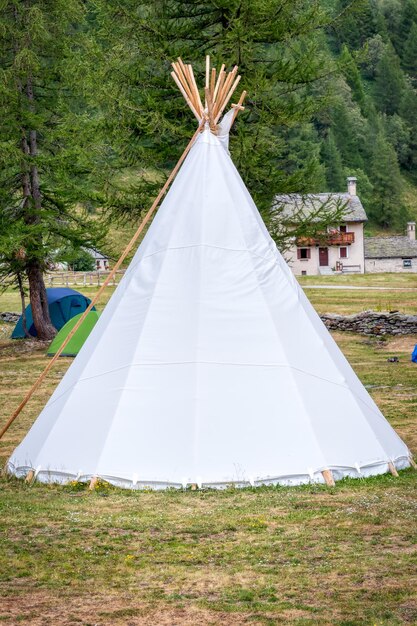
x,y
218,90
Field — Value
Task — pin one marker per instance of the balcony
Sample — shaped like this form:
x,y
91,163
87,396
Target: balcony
x,y
327,239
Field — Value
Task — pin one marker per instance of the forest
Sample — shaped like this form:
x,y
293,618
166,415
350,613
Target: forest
x,y
92,123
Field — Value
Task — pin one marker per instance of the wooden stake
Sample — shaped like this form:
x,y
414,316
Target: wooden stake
x,y
106,281
93,483
393,469
413,463
328,477
30,476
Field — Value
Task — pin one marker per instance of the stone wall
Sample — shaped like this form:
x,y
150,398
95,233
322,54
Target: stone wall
x,y
9,317
380,266
372,323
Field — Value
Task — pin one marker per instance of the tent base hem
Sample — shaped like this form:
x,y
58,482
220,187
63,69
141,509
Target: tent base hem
x,y
310,477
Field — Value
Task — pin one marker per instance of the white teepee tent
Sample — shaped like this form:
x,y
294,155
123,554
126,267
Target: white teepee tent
x,y
209,366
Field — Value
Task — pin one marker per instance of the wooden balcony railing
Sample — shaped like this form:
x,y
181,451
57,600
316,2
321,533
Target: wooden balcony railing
x,y
327,239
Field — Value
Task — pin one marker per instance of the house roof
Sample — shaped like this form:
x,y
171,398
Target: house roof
x,y
310,203
390,247
96,254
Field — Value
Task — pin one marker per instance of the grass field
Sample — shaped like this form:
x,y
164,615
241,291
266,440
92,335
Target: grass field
x,y
308,555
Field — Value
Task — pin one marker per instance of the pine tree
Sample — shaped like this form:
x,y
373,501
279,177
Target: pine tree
x,y
335,177
408,111
280,56
389,83
41,153
356,23
353,78
386,207
410,52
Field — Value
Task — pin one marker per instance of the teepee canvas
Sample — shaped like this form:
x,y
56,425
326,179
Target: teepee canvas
x,y
209,366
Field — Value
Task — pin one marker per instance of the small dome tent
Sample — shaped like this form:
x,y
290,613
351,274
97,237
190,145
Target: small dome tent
x,y
63,304
76,342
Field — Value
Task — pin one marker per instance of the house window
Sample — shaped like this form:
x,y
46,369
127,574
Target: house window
x,y
303,273
343,253
303,253
406,262
343,228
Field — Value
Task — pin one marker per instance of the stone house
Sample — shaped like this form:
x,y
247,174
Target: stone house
x,y
341,248
392,254
101,261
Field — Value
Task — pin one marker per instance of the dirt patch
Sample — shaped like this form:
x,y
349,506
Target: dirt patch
x,y
401,344
39,608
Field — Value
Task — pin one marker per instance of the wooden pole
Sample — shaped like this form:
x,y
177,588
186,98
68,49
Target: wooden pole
x,y
209,101
184,93
212,82
413,463
126,251
182,78
190,68
227,98
238,107
207,85
219,82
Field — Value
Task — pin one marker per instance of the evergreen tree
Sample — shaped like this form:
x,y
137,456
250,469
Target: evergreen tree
x,y
42,160
389,83
280,56
408,112
399,136
356,23
353,78
335,177
410,52
386,207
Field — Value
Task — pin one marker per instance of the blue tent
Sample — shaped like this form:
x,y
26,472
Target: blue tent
x,y
414,355
63,304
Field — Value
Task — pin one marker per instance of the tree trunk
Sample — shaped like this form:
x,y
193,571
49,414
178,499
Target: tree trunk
x,y
23,303
39,302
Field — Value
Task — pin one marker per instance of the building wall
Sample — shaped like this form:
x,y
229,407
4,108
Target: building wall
x,y
373,266
311,265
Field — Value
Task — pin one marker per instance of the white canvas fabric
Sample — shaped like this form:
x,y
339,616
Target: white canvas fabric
x,y
209,365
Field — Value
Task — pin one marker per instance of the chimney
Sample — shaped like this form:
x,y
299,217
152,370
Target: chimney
x,y
411,230
351,185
